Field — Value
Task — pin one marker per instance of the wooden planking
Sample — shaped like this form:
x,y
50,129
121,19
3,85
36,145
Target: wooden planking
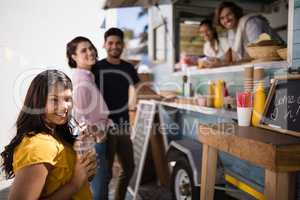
x,y
239,147
288,158
209,169
296,62
262,147
296,19
270,184
252,133
297,4
297,36
279,186
296,51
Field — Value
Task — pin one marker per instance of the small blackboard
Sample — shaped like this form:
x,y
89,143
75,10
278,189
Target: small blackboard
x,y
282,109
140,139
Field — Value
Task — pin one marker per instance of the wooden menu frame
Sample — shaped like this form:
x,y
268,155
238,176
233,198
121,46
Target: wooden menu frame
x,y
268,102
140,137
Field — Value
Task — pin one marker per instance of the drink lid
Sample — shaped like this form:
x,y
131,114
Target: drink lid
x,y
74,127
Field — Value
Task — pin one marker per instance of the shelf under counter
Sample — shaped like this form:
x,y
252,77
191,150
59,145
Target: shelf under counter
x,y
200,109
193,70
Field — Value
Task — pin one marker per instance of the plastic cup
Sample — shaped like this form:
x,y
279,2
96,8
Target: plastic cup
x,y
244,115
84,145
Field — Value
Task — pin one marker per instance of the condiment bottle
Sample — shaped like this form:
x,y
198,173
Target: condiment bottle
x,y
258,105
187,87
184,81
219,97
225,90
211,94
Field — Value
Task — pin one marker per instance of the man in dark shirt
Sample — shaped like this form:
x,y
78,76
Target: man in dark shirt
x,y
114,77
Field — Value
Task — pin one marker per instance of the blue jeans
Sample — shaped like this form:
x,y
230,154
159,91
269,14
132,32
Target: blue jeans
x,y
99,182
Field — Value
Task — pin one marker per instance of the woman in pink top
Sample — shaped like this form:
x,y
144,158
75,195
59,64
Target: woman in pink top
x,y
89,105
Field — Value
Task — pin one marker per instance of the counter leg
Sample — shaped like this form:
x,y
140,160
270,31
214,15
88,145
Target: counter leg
x,y
279,186
208,174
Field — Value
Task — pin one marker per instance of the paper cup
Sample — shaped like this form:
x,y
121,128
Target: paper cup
x,y
248,73
258,74
244,115
83,146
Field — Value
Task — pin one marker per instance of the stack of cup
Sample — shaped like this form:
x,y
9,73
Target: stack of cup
x,y
248,79
244,107
259,76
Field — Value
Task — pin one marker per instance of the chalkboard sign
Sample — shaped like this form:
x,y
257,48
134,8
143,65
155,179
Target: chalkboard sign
x,y
140,139
282,110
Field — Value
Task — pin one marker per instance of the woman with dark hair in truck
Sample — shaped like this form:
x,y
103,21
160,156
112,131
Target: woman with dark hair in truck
x,y
41,157
215,48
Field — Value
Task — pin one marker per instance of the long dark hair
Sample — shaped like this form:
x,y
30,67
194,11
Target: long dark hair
x,y
237,11
210,25
72,46
31,118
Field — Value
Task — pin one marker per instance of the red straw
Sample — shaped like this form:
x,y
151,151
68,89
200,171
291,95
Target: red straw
x,y
244,99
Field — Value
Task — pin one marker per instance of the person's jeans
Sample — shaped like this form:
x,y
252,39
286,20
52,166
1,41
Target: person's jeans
x,y
99,182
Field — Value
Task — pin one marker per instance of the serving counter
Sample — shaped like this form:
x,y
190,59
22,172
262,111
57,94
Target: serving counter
x,y
260,162
277,153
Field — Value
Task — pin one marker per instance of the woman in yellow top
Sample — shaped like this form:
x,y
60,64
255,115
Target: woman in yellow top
x,y
40,157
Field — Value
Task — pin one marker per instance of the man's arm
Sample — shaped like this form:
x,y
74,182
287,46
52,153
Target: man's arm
x,y
132,97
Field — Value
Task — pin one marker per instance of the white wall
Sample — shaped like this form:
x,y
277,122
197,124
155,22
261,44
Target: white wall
x,y
163,70
33,36
279,18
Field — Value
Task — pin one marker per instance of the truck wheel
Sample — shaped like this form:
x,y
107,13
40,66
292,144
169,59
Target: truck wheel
x,y
182,182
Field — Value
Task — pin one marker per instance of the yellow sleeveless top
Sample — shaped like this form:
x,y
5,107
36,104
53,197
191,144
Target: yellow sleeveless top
x,y
44,148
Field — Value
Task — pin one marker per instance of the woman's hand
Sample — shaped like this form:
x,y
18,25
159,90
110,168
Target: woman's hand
x,y
214,62
93,162
84,169
101,136
209,63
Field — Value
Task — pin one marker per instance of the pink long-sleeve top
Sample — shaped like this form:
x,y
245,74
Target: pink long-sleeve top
x,y
88,103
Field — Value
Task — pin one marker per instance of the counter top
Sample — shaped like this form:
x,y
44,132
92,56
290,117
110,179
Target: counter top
x,y
277,153
201,109
193,70
268,149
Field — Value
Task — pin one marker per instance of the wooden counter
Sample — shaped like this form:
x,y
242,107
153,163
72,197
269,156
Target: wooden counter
x,y
279,154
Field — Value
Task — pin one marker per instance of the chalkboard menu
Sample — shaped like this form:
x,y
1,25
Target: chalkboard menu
x,y
140,139
282,110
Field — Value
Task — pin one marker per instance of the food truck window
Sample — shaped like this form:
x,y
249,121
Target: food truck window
x,y
190,41
186,28
187,32
159,43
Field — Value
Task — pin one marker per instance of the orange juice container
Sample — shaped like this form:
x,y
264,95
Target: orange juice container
x,y
218,94
258,104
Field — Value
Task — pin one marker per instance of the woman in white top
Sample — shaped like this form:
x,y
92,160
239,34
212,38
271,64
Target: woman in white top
x,y
215,48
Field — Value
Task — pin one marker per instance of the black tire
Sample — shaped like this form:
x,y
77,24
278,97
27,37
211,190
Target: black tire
x,y
186,191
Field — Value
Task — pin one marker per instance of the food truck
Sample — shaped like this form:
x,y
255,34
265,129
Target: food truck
x,y
173,38
174,46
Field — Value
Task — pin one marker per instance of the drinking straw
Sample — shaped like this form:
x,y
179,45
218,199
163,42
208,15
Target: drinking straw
x,y
244,99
